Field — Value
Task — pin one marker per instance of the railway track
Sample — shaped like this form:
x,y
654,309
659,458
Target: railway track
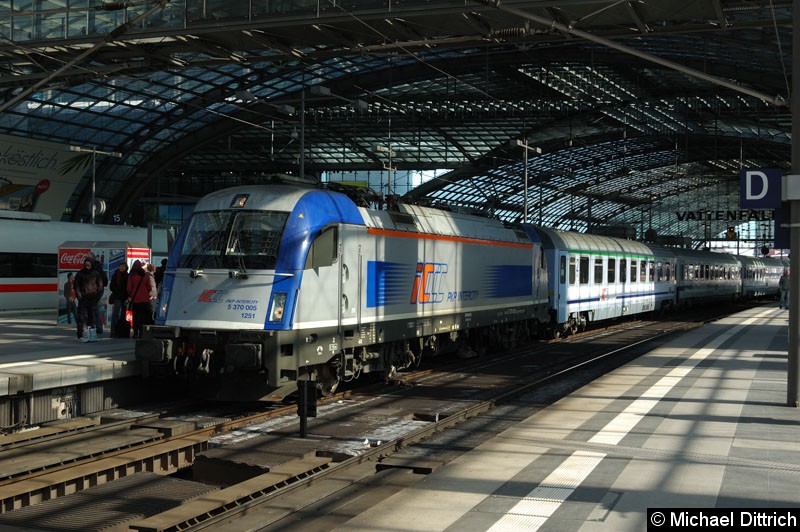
x,y
263,453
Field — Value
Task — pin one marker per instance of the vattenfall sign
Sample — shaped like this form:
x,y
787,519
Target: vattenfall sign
x,y
752,215
760,193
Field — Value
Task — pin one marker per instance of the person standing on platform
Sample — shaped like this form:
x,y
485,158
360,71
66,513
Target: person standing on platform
x,y
88,290
151,272
69,297
98,320
159,275
783,285
139,297
119,295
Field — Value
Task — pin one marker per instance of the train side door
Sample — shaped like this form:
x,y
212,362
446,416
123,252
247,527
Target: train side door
x,y
539,272
561,290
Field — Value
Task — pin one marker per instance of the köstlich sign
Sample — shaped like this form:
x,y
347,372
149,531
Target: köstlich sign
x,y
760,188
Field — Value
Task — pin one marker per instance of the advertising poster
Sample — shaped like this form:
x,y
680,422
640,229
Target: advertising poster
x,y
38,176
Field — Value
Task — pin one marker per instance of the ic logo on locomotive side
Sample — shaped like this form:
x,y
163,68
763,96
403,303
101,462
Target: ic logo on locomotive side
x,y
428,282
211,296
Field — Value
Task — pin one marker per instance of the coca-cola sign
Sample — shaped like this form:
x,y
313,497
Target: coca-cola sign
x,y
72,259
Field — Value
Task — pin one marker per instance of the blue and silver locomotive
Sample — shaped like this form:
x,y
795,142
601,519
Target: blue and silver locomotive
x,y
269,284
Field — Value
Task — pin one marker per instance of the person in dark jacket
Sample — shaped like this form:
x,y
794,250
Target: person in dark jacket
x,y
159,275
119,290
139,295
98,320
88,285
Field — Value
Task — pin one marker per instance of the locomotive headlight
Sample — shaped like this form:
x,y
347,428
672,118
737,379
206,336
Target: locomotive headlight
x,y
311,338
276,313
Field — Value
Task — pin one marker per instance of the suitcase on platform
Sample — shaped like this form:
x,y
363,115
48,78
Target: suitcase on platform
x,y
122,329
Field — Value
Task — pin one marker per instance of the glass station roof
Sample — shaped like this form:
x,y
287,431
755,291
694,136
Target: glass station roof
x,y
619,138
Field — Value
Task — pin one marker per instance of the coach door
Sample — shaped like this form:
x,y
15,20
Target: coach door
x,y
561,288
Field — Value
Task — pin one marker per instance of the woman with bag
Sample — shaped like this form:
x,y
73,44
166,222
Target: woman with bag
x,y
139,298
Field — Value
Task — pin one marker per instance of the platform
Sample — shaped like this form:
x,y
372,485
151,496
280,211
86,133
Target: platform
x,y
700,422
36,354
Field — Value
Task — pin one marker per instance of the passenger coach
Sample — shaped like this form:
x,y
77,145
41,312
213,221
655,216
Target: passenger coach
x,y
597,278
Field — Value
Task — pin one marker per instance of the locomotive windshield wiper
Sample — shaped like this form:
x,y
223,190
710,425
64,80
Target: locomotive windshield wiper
x,y
237,274
236,248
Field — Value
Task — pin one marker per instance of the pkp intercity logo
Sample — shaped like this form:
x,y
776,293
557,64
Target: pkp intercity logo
x,y
211,296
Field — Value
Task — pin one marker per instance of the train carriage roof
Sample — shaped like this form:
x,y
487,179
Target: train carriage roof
x,y
569,241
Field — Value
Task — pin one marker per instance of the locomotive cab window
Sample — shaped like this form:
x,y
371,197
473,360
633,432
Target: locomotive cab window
x,y
254,239
205,240
323,250
227,239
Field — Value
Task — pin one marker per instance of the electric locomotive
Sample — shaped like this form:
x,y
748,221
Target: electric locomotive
x,y
270,284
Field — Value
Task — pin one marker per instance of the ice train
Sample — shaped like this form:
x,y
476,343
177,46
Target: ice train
x,y
270,284
29,256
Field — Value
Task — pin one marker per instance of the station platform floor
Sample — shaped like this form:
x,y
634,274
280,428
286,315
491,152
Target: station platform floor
x,y
701,422
38,354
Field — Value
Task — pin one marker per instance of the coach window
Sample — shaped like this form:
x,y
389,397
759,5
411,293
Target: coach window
x,y
667,271
598,270
659,272
642,271
562,270
623,270
651,267
583,271
633,271
572,267
612,270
